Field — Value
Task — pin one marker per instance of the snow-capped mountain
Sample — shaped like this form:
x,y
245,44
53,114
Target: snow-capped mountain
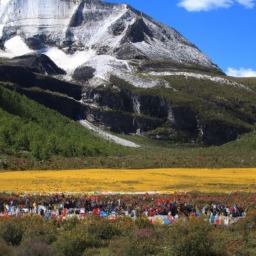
x,y
108,53
103,35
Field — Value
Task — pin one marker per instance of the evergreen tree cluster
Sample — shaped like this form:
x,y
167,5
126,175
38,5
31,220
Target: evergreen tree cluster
x,y
27,126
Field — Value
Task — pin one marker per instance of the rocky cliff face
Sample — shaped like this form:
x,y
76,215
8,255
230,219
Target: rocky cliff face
x,y
126,112
25,77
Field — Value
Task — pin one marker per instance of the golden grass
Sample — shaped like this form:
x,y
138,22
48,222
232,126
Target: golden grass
x,y
165,180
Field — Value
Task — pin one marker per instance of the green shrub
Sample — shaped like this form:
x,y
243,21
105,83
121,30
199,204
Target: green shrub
x,y
143,222
33,247
75,242
11,230
5,250
135,245
104,229
40,229
69,224
91,252
193,238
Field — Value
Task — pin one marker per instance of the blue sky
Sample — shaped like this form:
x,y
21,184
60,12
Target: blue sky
x,y
225,30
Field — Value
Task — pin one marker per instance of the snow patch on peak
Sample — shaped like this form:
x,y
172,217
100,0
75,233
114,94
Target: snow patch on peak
x,y
15,47
97,31
156,49
1,30
3,6
68,62
106,65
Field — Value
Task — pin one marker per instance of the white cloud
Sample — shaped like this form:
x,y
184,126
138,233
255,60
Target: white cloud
x,y
207,5
242,72
247,3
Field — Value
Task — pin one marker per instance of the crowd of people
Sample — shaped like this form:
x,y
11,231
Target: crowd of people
x,y
156,208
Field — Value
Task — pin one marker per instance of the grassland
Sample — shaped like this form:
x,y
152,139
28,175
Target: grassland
x,y
164,180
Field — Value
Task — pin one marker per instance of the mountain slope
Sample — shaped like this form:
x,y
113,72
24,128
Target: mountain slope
x,y
121,70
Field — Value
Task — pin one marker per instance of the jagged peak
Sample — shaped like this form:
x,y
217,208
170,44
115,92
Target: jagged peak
x,y
112,29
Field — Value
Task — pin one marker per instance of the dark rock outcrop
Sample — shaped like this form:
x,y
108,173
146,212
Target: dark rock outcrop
x,y
128,52
36,42
83,73
153,106
119,122
121,99
38,63
117,28
219,133
77,18
137,32
110,99
146,106
24,77
183,118
64,105
1,44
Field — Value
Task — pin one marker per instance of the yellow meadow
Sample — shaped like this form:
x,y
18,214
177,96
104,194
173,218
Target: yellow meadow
x,y
104,180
